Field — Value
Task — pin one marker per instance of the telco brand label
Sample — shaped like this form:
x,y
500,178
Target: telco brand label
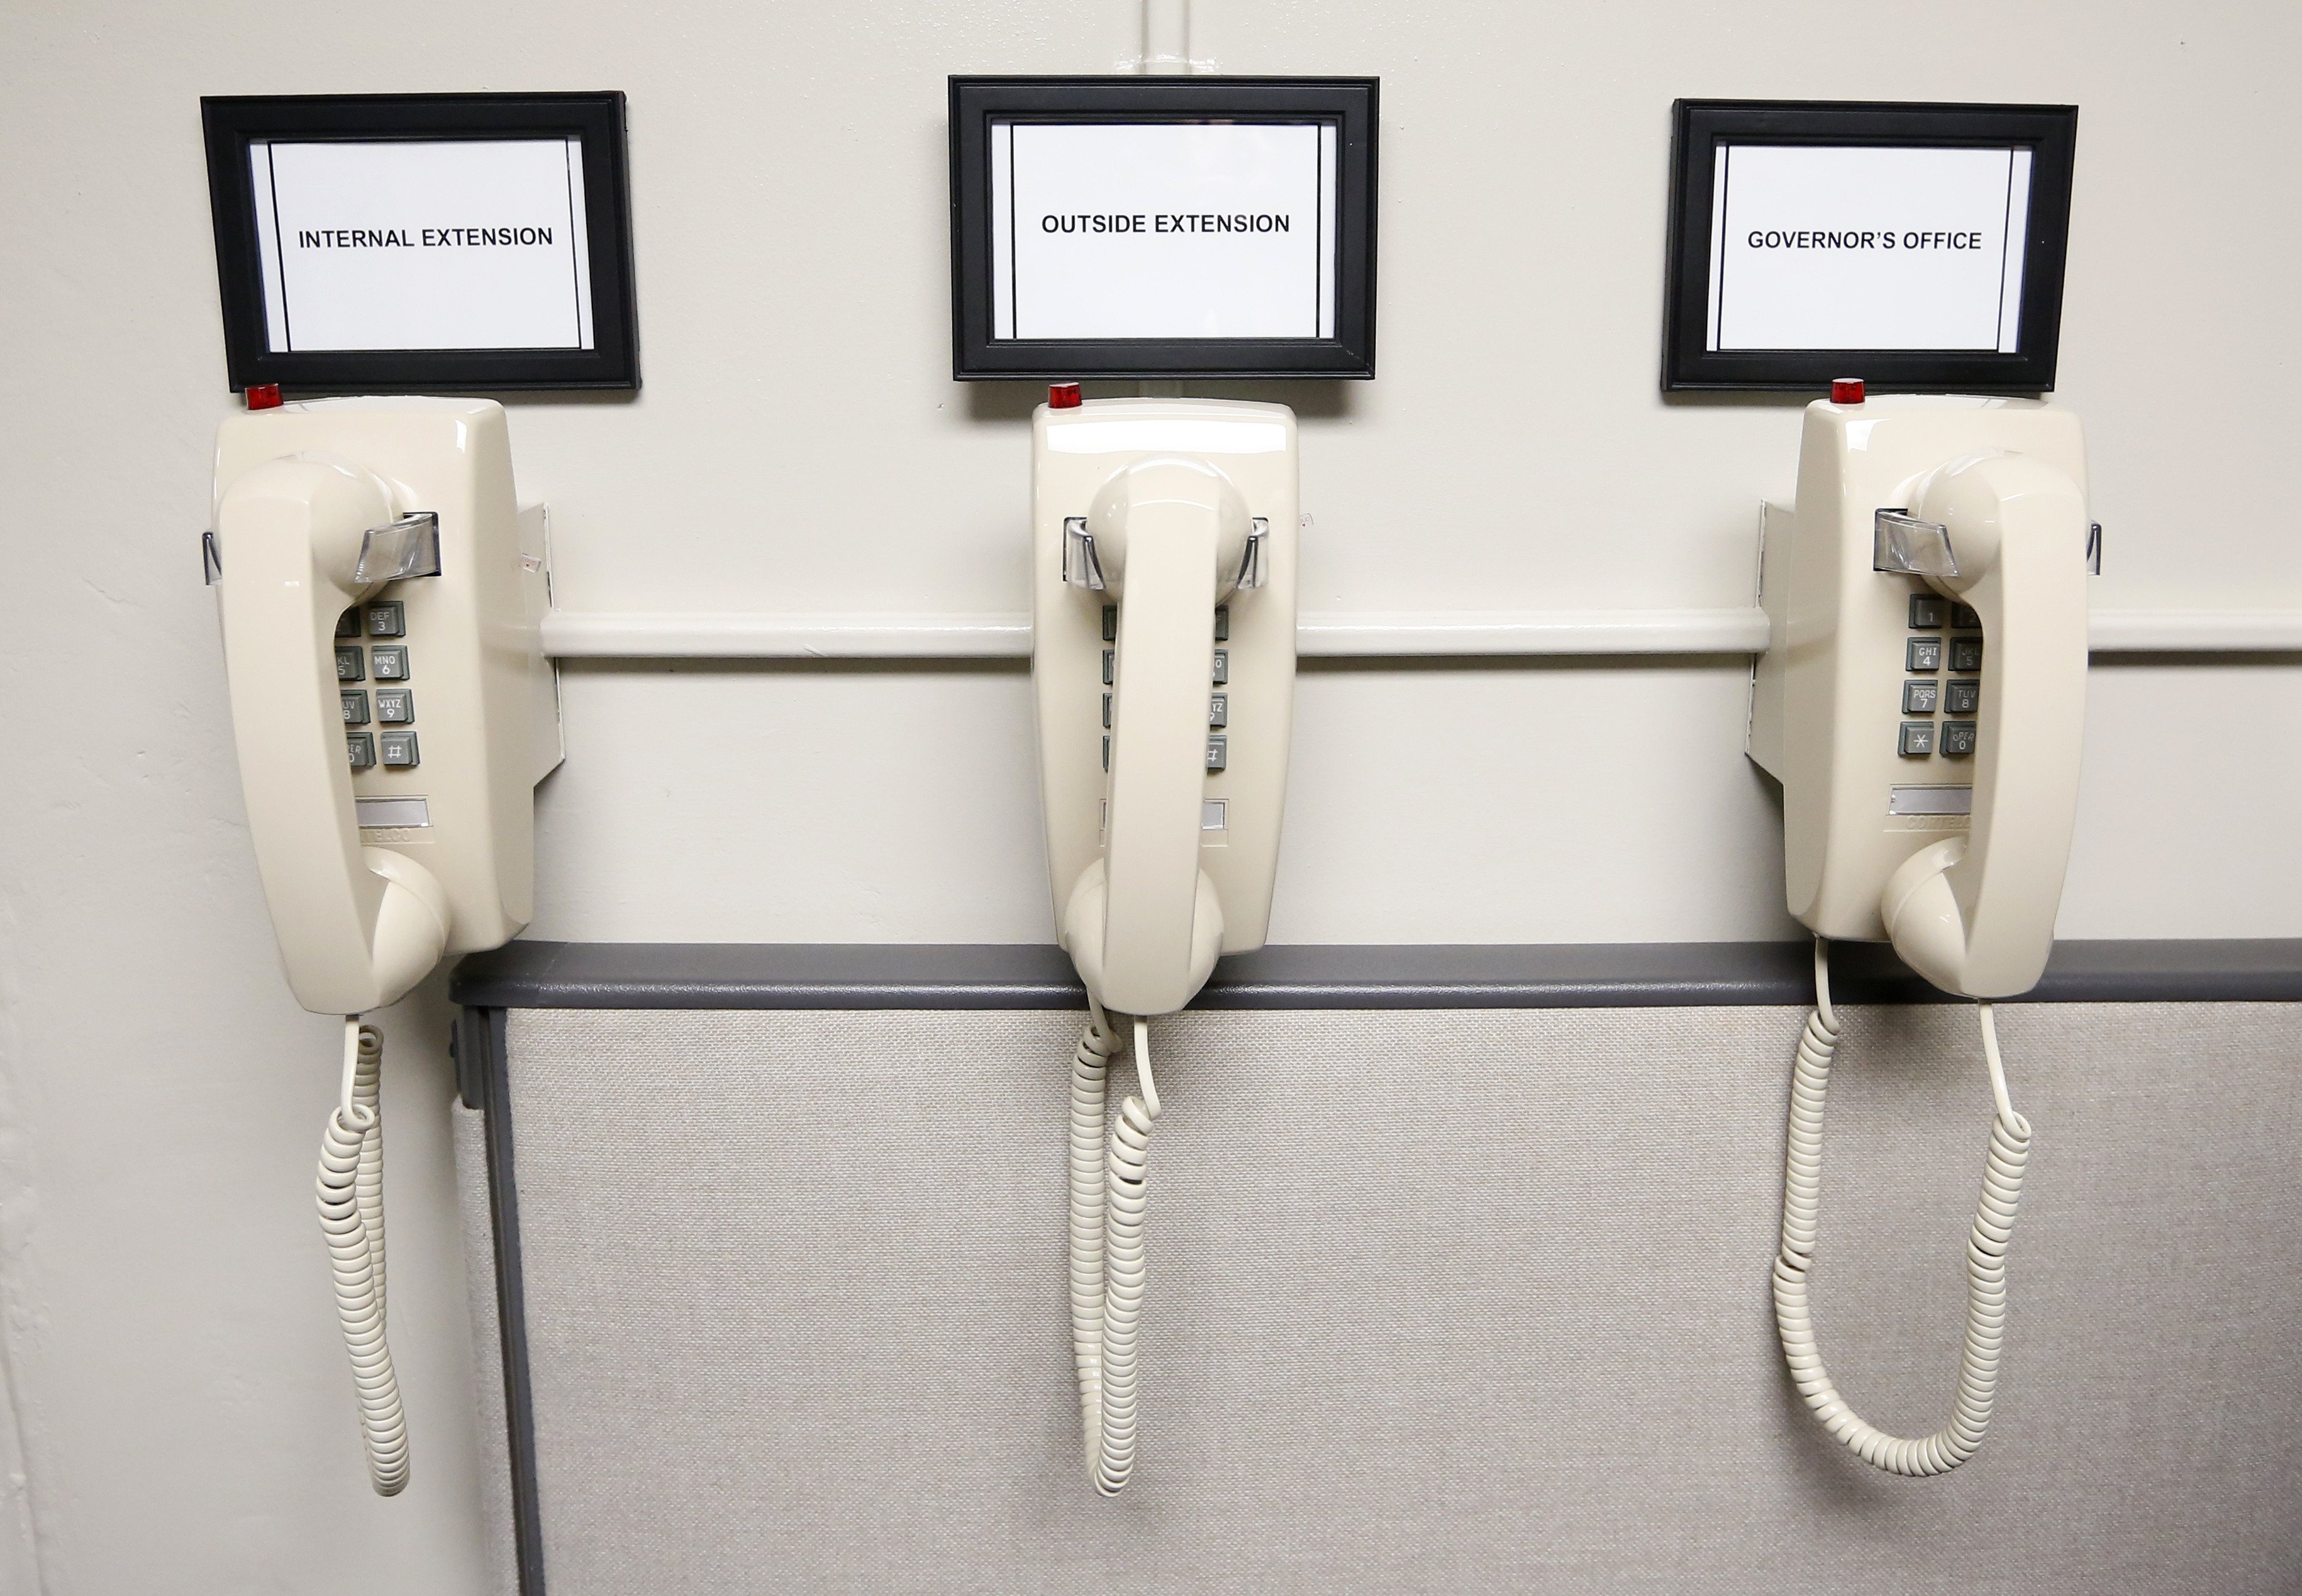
x,y
1867,247
412,244
1162,229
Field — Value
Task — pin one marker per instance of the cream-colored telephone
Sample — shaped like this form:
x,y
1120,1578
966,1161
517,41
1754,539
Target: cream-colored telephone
x,y
1163,658
1921,702
380,593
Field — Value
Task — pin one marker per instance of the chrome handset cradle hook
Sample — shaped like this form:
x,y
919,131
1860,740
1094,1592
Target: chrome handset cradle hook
x,y
1081,569
1901,544
407,546
1255,564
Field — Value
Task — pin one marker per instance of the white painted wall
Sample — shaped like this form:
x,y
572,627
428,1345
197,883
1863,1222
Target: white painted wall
x,y
169,1345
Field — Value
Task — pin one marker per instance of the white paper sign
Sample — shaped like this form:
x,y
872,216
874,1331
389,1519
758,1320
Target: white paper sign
x,y
411,244
1835,247
1162,229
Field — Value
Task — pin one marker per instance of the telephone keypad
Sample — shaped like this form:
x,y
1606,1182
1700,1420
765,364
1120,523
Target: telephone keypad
x,y
360,748
387,619
398,749
395,706
391,664
1928,693
1218,746
350,665
355,708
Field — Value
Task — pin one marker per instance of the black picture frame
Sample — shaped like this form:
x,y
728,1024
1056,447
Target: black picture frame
x,y
233,122
1698,128
977,102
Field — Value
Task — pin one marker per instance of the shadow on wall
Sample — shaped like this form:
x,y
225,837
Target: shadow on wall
x,y
1310,401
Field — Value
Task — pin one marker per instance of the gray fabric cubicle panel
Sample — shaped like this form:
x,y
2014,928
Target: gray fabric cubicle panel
x,y
1460,1300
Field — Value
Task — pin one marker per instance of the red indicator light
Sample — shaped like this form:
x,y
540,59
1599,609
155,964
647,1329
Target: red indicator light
x,y
264,396
1063,396
1846,390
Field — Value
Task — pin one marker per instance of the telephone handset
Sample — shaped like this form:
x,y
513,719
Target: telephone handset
x,y
1164,666
381,595
1921,702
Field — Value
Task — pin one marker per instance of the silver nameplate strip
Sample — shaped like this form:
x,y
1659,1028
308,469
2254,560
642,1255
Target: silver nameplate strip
x,y
1930,800
378,812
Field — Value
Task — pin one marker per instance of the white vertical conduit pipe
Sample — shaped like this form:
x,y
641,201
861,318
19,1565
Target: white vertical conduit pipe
x,y
351,1217
1985,1257
1166,38
1107,1205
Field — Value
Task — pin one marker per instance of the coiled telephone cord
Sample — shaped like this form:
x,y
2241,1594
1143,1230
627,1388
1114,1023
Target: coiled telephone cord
x,y
1106,1245
1985,1257
351,1217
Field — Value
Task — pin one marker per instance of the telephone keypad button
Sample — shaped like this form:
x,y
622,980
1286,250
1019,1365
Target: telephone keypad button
x,y
359,747
1918,738
350,667
1963,615
395,706
1107,656
1962,698
1927,611
1222,623
398,748
1219,709
387,619
391,663
1222,666
347,623
1218,752
1106,753
1923,653
1111,623
355,708
1107,711
1965,654
1919,698
1957,739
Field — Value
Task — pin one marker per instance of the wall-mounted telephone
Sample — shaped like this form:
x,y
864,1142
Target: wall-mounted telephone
x,y
1921,702
1163,659
382,594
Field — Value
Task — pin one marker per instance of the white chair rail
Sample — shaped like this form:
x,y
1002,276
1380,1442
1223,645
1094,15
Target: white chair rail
x,y
1336,635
